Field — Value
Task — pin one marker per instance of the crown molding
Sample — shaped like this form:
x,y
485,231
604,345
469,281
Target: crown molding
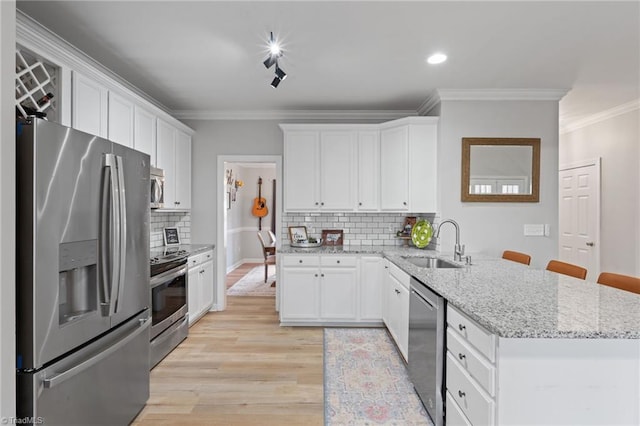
x,y
431,102
501,94
294,114
573,125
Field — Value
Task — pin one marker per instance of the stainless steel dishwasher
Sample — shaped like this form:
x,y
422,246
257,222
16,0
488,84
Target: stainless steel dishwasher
x,y
426,348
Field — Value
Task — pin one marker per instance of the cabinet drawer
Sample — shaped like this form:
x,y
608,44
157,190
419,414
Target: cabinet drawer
x,y
400,275
293,260
472,361
199,258
478,337
455,416
472,400
338,261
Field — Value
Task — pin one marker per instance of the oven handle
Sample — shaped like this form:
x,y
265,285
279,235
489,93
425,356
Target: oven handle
x,y
167,276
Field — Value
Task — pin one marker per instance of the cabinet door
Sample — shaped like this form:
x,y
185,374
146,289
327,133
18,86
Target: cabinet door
x,y
338,293
337,170
371,287
386,293
301,170
207,284
403,321
423,167
183,170
394,169
368,171
89,106
144,138
193,294
121,117
166,142
299,288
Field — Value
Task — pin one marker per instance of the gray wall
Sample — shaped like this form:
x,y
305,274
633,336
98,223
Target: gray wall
x,y
491,228
616,142
7,208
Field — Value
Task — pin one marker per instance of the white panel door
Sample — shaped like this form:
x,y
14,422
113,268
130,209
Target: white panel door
x,y
368,198
372,278
121,119
299,292
301,170
394,169
165,145
337,170
89,107
580,217
144,138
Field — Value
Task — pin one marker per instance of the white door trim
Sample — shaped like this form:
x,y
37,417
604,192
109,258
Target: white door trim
x,y
597,162
221,243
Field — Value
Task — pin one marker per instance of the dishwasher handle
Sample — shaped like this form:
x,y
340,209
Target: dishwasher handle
x,y
425,294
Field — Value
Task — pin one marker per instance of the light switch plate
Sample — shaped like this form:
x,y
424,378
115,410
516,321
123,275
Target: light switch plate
x,y
534,230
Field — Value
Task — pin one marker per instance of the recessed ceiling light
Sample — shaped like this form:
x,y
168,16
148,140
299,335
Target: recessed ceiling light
x,y
437,58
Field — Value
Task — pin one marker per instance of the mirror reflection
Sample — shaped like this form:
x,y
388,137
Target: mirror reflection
x,y
500,169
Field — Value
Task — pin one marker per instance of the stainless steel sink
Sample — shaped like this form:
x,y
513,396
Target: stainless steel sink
x,y
430,262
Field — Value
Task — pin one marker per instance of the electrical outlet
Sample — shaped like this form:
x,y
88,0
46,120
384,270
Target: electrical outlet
x,y
534,230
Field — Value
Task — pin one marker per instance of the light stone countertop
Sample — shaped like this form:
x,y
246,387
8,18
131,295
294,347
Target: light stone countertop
x,y
190,248
516,301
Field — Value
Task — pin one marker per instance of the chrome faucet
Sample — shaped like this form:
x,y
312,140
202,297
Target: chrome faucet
x,y
458,250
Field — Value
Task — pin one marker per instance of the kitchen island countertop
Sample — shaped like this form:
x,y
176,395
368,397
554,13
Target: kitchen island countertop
x,y
517,301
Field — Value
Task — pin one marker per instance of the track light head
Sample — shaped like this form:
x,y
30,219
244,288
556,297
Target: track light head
x,y
275,82
280,72
268,63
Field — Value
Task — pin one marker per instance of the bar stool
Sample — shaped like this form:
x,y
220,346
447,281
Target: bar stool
x,y
567,269
623,282
516,257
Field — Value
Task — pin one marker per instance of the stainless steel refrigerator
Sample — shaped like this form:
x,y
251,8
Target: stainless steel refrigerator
x,y
82,284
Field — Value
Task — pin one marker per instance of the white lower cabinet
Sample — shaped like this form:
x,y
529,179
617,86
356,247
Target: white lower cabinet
x,y
396,310
200,281
326,289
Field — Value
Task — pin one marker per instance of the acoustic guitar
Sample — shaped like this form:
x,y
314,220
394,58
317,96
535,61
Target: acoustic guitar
x,y
259,203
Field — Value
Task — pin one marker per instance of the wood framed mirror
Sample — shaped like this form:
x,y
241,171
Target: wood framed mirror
x,y
501,170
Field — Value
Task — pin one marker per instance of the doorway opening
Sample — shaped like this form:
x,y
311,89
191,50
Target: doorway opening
x,y
248,204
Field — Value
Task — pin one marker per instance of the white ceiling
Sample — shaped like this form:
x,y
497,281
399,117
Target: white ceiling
x,y
206,56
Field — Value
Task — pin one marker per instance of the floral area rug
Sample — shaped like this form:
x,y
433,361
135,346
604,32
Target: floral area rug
x,y
366,382
252,284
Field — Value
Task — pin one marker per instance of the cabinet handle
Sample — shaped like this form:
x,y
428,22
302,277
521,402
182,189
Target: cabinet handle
x,y
397,291
359,204
386,267
300,261
316,275
461,327
202,272
461,356
322,204
322,275
337,261
316,203
461,394
404,203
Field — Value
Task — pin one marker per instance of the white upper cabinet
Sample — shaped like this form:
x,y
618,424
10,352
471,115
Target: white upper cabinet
x,y
301,170
361,167
89,110
368,194
121,120
173,153
337,170
408,166
394,169
144,138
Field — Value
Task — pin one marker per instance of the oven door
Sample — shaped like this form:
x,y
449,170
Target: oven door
x,y
168,299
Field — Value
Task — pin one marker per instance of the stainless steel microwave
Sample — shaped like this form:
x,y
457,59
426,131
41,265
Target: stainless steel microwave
x,y
157,188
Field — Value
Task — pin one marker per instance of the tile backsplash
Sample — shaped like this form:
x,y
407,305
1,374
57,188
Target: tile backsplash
x,y
159,220
359,228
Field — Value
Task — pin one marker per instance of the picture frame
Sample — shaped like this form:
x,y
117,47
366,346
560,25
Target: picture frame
x,y
298,233
171,236
332,237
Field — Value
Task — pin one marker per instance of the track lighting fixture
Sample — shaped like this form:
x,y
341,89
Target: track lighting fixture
x,y
275,52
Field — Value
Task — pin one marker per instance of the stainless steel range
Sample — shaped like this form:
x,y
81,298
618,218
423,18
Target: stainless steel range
x,y
170,322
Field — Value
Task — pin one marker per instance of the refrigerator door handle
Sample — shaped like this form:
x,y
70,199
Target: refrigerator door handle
x,y
122,230
105,252
77,369
110,238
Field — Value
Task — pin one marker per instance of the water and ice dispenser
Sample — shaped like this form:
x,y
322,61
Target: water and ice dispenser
x,y
77,280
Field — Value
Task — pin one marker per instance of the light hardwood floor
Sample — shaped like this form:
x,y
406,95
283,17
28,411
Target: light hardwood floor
x,y
239,367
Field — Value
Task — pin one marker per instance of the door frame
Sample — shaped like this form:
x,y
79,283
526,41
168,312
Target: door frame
x,y
597,162
221,240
